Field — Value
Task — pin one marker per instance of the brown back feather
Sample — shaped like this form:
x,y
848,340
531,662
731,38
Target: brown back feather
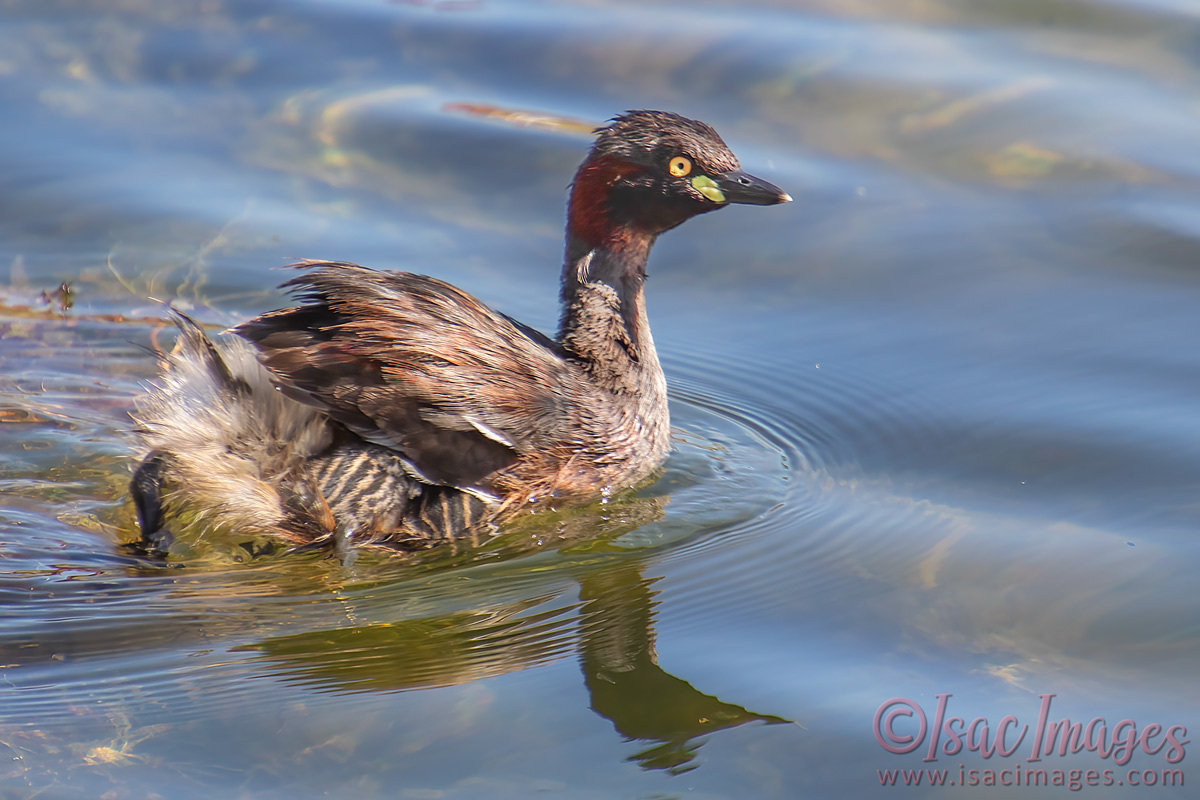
x,y
412,363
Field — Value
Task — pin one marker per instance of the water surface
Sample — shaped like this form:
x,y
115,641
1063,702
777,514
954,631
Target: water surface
x,y
935,422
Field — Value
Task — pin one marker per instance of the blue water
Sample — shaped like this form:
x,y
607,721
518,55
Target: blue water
x,y
935,422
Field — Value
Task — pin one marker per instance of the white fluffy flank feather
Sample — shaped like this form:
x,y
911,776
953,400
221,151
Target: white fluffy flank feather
x,y
238,440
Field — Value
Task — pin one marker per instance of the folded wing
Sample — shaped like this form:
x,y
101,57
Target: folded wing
x,y
414,364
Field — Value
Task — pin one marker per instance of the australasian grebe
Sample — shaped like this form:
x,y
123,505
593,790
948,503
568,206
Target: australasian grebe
x,y
392,409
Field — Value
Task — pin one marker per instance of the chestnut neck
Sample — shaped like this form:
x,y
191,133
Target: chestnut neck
x,y
604,275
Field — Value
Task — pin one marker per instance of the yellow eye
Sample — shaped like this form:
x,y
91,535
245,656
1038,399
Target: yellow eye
x,y
679,166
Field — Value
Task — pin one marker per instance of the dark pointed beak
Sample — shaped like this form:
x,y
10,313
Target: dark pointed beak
x,y
741,187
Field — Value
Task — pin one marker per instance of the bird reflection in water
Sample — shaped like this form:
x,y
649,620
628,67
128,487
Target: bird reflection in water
x,y
612,629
